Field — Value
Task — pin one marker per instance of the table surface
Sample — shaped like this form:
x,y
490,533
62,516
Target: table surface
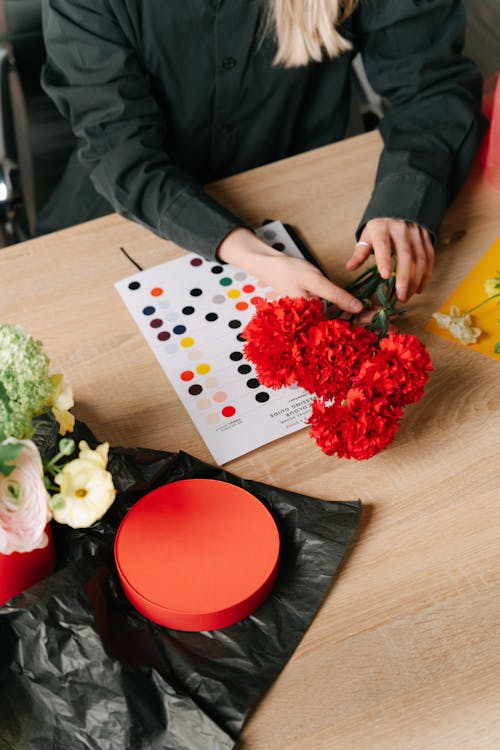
x,y
404,652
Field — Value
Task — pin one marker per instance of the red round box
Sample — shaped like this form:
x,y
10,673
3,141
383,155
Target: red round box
x,y
197,554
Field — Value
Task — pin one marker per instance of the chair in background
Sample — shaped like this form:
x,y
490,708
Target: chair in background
x,y
35,141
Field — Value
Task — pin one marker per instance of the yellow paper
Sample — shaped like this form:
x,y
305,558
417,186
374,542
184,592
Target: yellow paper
x,y
469,293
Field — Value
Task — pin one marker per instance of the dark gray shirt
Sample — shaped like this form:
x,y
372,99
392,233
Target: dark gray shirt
x,y
167,95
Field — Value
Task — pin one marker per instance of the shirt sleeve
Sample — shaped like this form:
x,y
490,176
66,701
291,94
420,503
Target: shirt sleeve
x,y
412,54
95,78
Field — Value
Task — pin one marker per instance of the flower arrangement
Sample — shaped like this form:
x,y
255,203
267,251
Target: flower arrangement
x,y
362,377
72,489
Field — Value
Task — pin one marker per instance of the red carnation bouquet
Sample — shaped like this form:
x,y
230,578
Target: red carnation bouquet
x,y
362,377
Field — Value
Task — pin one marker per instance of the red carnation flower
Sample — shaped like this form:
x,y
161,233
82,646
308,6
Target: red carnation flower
x,y
272,333
359,427
329,355
398,371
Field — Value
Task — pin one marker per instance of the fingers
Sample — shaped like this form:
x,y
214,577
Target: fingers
x,y
326,289
414,258
412,247
361,252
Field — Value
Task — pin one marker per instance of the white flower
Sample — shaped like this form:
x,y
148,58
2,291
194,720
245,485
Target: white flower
x,y
460,326
61,403
87,489
24,511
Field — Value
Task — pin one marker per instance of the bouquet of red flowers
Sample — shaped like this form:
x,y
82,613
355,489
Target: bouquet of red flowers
x,y
362,377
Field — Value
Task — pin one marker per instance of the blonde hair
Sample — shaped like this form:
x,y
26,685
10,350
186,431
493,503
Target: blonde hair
x,y
306,29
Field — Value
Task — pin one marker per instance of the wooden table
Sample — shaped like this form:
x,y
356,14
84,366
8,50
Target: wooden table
x,y
404,653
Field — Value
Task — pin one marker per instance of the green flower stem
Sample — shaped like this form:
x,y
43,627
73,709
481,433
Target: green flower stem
x,y
488,299
365,287
53,461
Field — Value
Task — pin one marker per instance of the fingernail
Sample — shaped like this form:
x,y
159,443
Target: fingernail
x,y
356,307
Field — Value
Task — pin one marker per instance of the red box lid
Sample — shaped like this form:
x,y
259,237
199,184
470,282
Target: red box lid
x,y
197,554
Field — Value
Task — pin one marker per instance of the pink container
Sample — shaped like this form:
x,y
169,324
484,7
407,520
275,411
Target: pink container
x,y
489,153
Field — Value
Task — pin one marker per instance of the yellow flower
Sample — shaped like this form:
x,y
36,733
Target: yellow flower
x,y
62,401
460,326
492,286
87,489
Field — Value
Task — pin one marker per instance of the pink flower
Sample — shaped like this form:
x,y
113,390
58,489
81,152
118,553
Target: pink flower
x,y
24,509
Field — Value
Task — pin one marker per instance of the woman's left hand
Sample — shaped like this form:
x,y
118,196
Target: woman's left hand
x,y
410,243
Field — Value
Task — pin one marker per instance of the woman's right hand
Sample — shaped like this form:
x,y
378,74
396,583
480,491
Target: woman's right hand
x,y
294,277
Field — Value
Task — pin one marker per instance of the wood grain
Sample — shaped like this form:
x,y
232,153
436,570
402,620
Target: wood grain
x,y
404,652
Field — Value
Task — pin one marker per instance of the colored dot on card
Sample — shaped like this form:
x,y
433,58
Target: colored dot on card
x,y
240,275
203,403
233,293
156,323
236,356
188,310
212,418
196,262
196,292
195,355
179,329
163,336
269,234
254,300
211,317
148,310
186,342
240,337
217,269
187,375
195,389
134,285
253,383
262,397
203,368
220,397
226,281
156,292
228,411
211,382
244,369
234,324
278,246
218,299
248,288
241,305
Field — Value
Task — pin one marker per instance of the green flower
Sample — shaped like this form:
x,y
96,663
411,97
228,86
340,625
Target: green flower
x,y
25,385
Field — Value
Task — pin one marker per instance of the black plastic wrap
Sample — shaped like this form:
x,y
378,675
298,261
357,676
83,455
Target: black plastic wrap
x,y
81,669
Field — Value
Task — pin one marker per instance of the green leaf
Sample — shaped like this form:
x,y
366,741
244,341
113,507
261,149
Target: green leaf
x,y
381,293
8,455
497,347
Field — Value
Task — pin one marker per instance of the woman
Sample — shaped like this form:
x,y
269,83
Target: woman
x,y
169,95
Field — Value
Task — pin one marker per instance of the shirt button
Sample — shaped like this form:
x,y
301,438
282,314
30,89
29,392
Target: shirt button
x,y
228,63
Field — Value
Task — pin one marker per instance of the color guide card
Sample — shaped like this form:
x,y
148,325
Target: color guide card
x,y
192,313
